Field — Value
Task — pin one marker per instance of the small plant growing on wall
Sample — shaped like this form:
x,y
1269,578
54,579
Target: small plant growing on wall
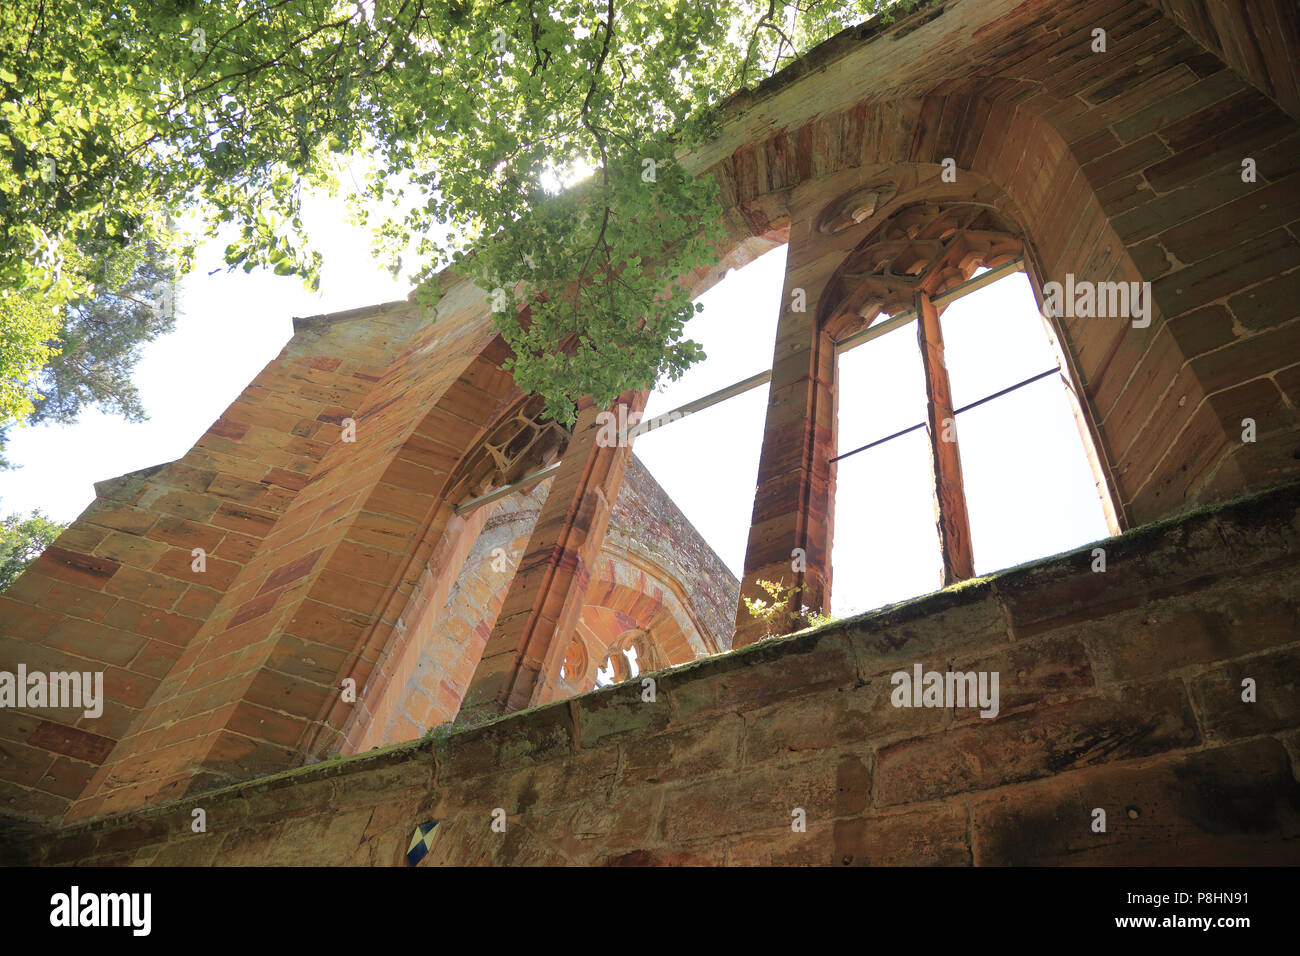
x,y
777,606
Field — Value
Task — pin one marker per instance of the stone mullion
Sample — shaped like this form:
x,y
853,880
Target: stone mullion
x,y
790,533
521,661
945,457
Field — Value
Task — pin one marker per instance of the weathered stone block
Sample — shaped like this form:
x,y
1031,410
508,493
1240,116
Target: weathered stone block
x,y
1217,695
1237,805
1139,721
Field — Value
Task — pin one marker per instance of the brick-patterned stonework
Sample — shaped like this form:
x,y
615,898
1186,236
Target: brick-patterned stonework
x,y
655,574
1119,690
1122,166
323,553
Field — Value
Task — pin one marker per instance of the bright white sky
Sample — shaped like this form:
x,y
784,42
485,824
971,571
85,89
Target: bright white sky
x,y
1029,487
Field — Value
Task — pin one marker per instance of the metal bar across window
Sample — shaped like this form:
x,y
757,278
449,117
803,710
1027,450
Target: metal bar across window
x,y
524,482
957,411
762,378
708,401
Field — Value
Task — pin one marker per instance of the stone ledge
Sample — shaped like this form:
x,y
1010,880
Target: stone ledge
x,y
578,749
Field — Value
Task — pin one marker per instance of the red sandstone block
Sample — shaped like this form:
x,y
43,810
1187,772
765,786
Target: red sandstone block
x,y
152,622
797,729
95,641
1248,358
80,569
932,629
1218,696
1260,401
209,444
242,464
1221,153
934,835
67,777
411,505
124,688
214,665
227,429
239,489
1129,159
290,695
346,592
310,660
183,476
127,549
1121,194
1203,330
1140,721
272,726
71,742
294,481
331,395
1138,370
1288,381
1254,211
259,606
185,504
29,588
335,414
696,750
324,363
24,764
367,563
39,657
237,547
547,735
1270,303
617,713
197,602
243,519
121,517
1172,97
187,534
179,564
335,627
72,601
1200,130
447,700
293,571
832,785
156,659
1150,413
1033,673
146,587
1199,809
772,671
1169,209
443,426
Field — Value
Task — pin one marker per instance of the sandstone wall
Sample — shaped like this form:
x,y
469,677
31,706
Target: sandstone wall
x,y
1119,690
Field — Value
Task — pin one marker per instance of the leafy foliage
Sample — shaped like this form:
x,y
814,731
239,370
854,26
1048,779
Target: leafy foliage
x,y
112,113
84,352
99,344
22,539
27,330
776,611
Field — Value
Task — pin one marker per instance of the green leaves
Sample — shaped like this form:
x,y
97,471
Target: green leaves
x,y
471,108
22,539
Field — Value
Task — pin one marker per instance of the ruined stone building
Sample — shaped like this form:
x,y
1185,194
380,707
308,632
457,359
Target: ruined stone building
x,y
1162,691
